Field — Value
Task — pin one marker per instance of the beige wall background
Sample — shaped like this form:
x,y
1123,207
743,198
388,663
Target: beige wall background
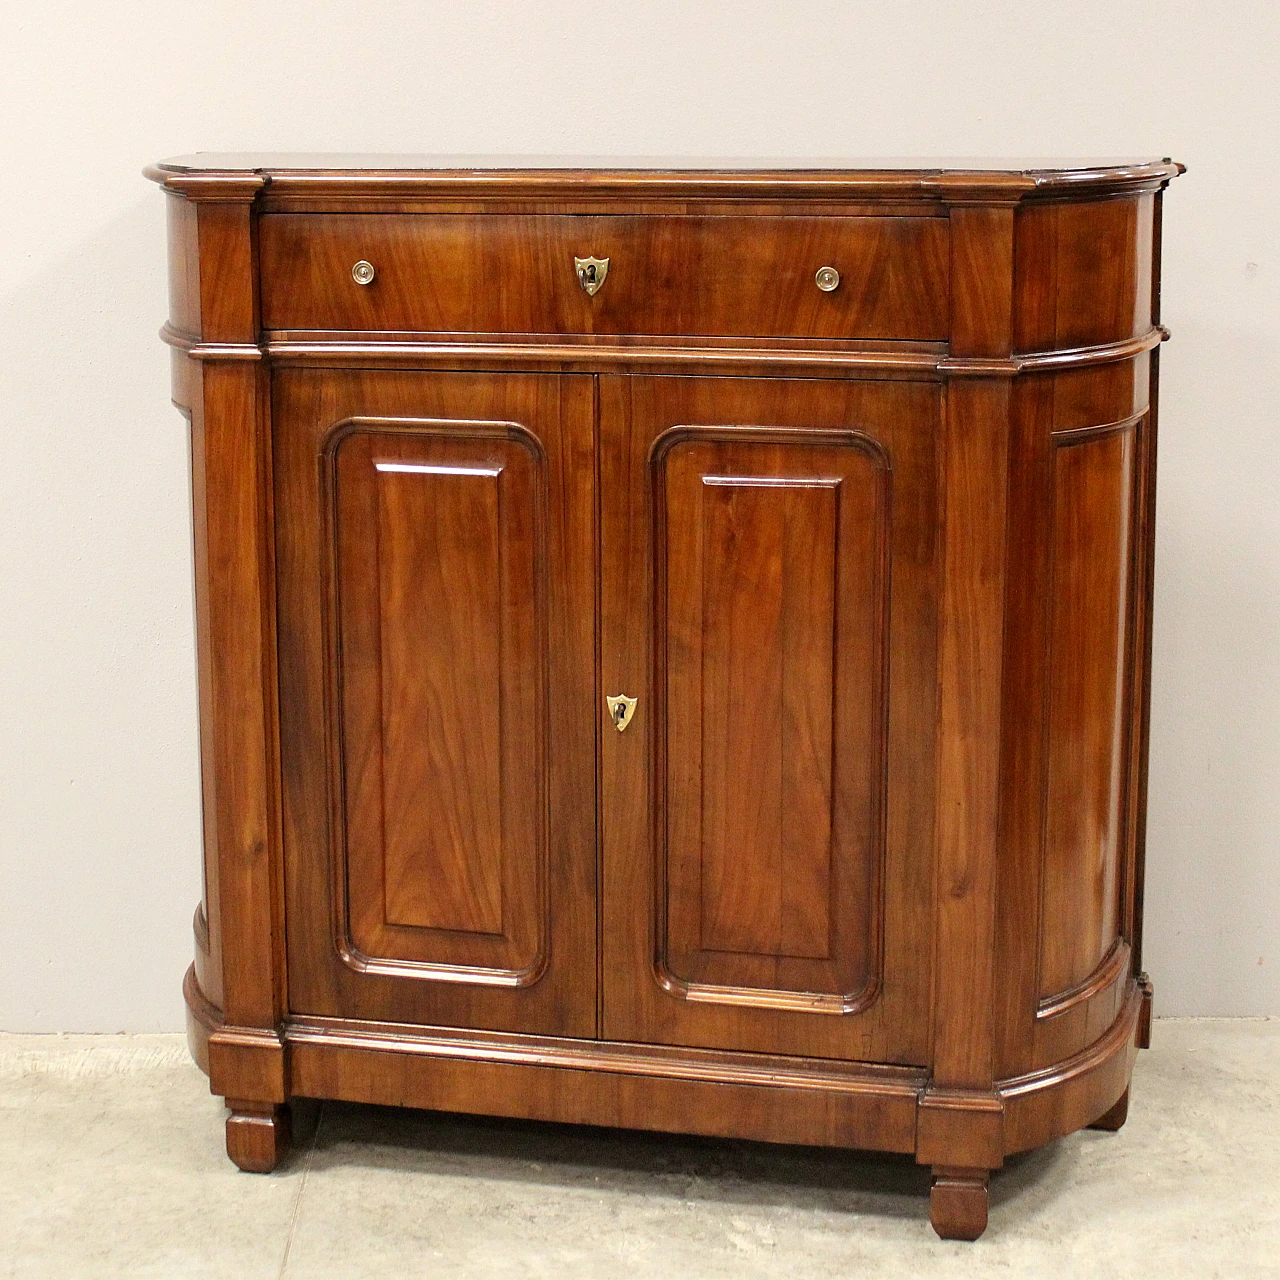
x,y
99,805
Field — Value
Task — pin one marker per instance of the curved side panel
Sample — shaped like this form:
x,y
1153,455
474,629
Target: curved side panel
x,y
1086,728
203,1019
1074,659
1057,1100
1083,273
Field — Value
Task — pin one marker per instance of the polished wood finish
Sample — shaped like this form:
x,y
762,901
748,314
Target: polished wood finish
x,y
958,1202
684,276
257,1135
731,728
865,868
438,696
1113,1120
771,584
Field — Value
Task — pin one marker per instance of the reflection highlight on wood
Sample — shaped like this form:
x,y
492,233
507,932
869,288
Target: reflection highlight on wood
x,y
1089,607
768,610
875,564
772,576
436,547
440,623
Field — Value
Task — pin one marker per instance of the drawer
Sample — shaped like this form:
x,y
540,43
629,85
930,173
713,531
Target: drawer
x,y
697,276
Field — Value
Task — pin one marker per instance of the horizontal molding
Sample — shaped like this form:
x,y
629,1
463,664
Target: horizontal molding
x,y
233,186
1114,1040
618,1058
1058,1099
1083,357
711,1066
944,186
600,355
1037,1106
198,349
565,356
1067,436
1109,970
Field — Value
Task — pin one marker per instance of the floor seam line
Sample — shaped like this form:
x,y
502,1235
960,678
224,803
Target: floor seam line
x,y
302,1186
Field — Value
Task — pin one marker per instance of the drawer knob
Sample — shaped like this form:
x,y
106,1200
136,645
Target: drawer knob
x,y
363,272
591,273
827,278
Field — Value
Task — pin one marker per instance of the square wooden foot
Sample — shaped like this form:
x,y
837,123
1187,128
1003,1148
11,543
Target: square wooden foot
x,y
1114,1118
257,1135
958,1202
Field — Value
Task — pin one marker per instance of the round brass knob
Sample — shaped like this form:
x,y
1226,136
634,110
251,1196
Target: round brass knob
x,y
827,278
363,272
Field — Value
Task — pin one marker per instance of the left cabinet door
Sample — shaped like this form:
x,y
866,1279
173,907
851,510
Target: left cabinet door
x,y
435,546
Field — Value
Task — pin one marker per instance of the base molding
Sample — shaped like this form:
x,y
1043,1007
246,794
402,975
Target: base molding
x,y
241,1062
618,1085
663,1088
1053,1101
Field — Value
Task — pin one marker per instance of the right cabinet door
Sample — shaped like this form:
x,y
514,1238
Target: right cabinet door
x,y
768,596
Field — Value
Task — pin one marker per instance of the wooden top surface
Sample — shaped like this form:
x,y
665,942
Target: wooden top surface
x,y
671,175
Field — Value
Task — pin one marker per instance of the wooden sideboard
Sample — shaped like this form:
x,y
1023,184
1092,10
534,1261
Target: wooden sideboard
x,y
674,643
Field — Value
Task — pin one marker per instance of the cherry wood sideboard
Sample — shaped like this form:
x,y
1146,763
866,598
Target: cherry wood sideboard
x,y
674,643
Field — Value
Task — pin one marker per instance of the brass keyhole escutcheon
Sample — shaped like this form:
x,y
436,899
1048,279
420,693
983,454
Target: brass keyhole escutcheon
x,y
621,709
591,273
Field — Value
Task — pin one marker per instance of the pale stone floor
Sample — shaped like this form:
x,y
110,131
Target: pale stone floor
x,y
111,1164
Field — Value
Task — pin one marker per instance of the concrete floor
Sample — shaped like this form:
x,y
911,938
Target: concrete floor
x,y
111,1164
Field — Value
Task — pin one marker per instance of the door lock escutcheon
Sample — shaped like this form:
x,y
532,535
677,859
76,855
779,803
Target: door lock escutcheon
x,y
621,709
591,273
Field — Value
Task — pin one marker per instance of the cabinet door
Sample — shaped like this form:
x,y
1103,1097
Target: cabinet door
x,y
436,554
768,593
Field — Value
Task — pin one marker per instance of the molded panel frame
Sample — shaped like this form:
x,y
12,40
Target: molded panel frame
x,y
348,949
865,994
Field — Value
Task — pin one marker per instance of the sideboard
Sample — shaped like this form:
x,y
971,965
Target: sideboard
x,y
673,642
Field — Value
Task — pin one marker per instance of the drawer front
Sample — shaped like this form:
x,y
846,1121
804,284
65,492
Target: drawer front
x,y
696,276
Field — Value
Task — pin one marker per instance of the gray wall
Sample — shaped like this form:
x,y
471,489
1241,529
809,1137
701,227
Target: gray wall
x,y
99,817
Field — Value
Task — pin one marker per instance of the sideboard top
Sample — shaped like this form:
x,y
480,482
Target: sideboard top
x,y
244,173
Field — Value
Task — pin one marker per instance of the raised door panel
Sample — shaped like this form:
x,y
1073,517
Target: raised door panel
x,y
770,553
435,542
769,596
438,544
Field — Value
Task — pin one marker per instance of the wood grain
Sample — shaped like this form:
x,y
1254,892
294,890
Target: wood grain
x,y
440,620
1088,680
510,274
437,560
771,582
866,867
492,786
668,802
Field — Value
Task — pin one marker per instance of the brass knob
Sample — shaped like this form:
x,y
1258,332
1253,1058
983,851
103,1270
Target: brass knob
x,y
828,278
363,272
